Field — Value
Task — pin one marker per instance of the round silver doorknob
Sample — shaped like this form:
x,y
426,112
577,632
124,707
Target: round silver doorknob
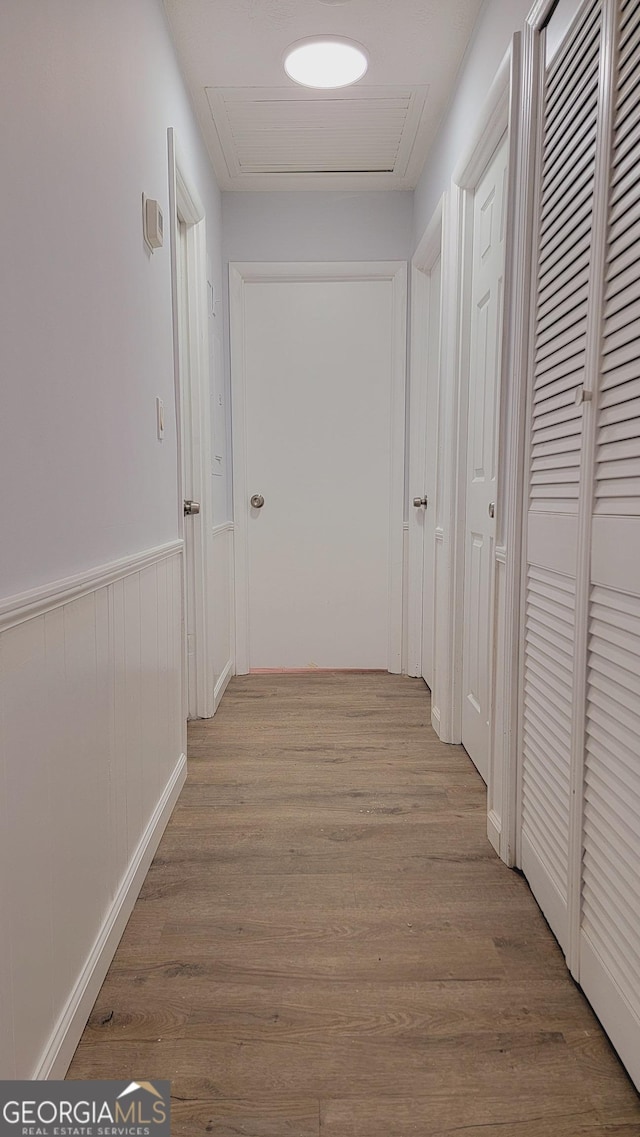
x,y
257,501
191,508
418,501
492,509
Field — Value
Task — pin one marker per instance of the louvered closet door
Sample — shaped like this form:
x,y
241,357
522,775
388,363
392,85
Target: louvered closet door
x,y
610,932
564,255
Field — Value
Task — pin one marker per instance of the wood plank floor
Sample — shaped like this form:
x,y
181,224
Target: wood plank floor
x,y
327,946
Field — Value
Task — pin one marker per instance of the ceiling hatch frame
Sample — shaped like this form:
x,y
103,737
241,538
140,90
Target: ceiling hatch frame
x,y
352,138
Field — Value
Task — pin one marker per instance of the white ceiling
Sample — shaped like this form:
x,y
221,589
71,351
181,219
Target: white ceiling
x,y
265,132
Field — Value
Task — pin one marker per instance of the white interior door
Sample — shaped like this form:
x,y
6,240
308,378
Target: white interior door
x,y
321,406
609,963
564,228
428,489
191,345
486,318
187,480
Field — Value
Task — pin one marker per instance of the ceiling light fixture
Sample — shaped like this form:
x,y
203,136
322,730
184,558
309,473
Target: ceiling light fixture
x,y
325,62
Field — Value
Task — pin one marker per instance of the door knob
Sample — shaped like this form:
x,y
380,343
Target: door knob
x,y
418,501
191,508
257,501
492,509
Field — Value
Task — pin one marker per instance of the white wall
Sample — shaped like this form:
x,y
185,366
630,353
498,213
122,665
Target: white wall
x,y
87,93
497,22
91,712
322,226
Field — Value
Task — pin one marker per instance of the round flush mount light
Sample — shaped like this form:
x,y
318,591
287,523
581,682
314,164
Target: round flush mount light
x,y
325,62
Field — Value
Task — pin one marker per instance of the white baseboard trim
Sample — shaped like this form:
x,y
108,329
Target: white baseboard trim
x,y
494,829
61,1047
435,720
222,684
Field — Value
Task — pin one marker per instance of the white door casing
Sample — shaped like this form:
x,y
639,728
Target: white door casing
x,y
424,441
318,413
428,662
486,312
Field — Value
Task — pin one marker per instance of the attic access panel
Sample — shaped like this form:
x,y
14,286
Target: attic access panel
x,y
282,131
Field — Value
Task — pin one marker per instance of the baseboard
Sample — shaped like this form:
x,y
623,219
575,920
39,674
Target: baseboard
x,y
494,829
435,720
61,1047
222,684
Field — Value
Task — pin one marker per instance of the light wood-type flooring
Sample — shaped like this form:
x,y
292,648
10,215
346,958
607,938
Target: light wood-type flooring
x,y
327,946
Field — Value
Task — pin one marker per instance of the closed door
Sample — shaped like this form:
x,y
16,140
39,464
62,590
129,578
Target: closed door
x,y
486,318
427,511
324,535
581,705
564,257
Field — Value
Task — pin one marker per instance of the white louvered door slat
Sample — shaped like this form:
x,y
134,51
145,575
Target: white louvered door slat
x,y
564,258
610,925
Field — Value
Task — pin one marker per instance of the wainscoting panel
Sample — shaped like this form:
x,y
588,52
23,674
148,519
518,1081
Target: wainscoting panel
x,y
91,761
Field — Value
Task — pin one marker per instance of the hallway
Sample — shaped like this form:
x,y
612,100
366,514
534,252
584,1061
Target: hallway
x,y
327,944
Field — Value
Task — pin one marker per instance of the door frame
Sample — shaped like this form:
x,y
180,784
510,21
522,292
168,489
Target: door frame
x,y
500,114
242,273
192,411
424,259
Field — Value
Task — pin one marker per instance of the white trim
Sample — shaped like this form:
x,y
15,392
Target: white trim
x,y
526,227
223,683
28,605
194,431
405,598
540,13
430,245
60,1049
223,527
494,829
266,272
423,261
446,507
490,128
241,273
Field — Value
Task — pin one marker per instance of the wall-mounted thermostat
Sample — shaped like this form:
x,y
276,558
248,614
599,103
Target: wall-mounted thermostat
x,y
152,223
